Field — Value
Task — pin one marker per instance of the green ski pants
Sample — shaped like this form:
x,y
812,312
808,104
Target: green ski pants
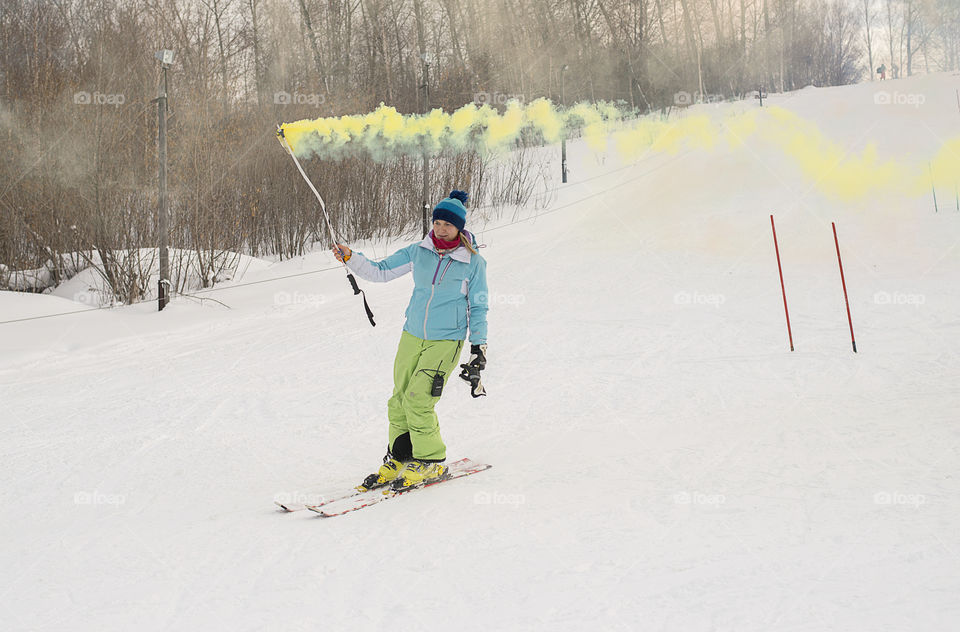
x,y
411,407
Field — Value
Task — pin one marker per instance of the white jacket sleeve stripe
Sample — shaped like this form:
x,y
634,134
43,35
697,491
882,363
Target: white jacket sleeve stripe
x,y
394,266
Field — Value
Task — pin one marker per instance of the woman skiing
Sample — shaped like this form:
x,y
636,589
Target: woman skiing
x,y
449,296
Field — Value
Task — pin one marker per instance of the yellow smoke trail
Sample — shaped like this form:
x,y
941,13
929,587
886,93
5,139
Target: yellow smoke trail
x,y
828,165
833,169
945,167
385,133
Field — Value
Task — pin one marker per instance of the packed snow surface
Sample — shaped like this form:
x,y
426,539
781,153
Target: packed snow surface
x,y
661,460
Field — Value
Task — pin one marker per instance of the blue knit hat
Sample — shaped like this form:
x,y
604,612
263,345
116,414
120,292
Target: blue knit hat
x,y
452,209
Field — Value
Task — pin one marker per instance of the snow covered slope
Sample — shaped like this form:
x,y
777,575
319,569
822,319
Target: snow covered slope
x,y
661,460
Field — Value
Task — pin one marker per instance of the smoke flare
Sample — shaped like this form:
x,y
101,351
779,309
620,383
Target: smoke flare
x,y
385,134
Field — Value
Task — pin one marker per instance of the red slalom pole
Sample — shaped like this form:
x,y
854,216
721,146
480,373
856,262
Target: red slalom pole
x,y
853,340
782,287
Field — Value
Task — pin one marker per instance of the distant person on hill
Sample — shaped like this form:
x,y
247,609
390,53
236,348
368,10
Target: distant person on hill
x,y
895,71
882,71
449,296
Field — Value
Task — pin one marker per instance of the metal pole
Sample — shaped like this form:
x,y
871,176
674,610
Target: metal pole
x,y
563,141
426,191
426,158
843,282
782,286
164,282
933,187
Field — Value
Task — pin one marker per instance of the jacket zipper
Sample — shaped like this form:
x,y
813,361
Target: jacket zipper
x,y
433,287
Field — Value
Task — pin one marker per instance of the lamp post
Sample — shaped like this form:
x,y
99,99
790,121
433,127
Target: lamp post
x,y
427,58
163,294
563,140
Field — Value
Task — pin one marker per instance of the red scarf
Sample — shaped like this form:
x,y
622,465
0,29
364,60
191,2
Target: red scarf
x,y
441,245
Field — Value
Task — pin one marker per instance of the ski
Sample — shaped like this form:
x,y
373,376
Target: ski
x,y
290,507
332,509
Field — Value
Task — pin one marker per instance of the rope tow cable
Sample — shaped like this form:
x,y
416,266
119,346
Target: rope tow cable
x,y
353,282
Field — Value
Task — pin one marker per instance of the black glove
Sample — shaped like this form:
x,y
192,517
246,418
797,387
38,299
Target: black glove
x,y
471,370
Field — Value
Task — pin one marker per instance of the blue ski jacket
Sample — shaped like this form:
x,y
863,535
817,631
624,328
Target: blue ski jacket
x,y
449,293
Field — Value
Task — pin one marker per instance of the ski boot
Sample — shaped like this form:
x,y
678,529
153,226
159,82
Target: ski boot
x,y
417,473
387,473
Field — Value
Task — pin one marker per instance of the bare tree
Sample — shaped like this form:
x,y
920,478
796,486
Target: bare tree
x,y
867,28
90,188
311,38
